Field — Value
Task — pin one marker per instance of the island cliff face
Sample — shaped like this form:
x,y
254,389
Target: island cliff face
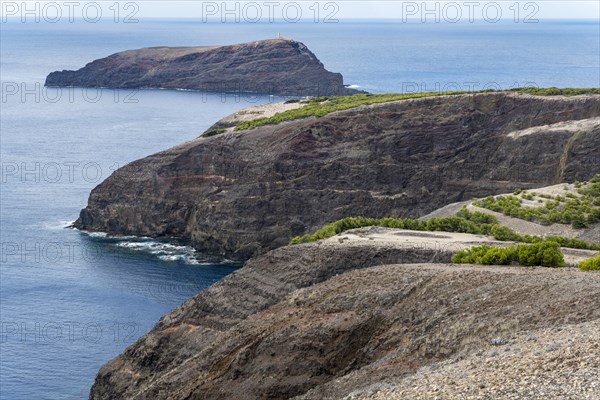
x,y
277,67
242,193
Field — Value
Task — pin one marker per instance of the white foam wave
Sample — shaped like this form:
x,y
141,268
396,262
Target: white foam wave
x,y
164,251
97,234
113,237
52,225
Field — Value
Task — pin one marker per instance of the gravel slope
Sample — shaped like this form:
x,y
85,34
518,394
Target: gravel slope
x,y
557,363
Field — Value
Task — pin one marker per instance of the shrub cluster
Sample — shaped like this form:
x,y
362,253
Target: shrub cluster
x,y
323,105
486,255
213,132
591,264
545,254
553,91
579,211
468,222
465,222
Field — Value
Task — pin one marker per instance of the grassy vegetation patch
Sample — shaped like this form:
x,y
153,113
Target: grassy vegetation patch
x,y
553,91
213,132
579,210
545,254
465,222
323,105
591,264
468,223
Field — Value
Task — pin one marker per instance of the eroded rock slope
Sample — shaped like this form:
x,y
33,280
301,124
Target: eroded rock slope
x,y
334,318
242,193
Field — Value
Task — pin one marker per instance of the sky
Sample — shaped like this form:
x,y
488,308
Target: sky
x,y
263,10
392,9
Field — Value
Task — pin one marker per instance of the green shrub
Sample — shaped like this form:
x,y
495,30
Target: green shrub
x,y
477,216
579,221
451,224
594,216
486,255
546,254
591,264
563,242
299,239
213,132
500,256
500,232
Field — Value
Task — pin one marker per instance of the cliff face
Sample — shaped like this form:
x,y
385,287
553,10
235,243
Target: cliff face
x,y
323,320
249,191
278,67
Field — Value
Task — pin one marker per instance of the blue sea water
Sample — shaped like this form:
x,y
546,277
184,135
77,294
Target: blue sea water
x,y
70,301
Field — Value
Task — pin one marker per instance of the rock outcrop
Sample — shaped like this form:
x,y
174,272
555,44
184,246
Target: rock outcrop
x,y
242,193
329,319
278,67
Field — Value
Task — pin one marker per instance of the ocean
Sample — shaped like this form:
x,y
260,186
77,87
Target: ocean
x,y
70,301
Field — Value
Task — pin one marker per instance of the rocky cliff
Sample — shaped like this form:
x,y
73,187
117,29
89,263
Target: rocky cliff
x,y
278,67
245,192
353,314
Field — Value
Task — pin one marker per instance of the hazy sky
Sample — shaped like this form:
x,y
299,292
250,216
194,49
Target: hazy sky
x,y
383,9
449,11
